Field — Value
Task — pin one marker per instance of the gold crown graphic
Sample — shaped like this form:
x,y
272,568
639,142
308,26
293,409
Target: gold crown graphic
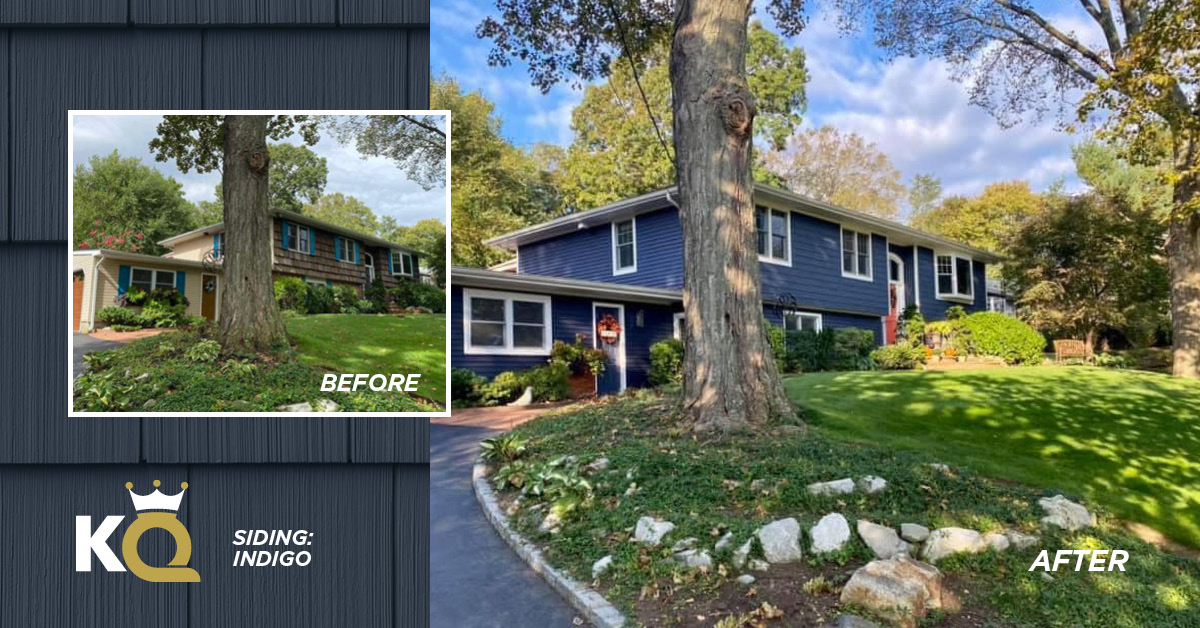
x,y
156,500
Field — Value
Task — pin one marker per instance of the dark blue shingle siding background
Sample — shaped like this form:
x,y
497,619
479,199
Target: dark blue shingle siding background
x,y
361,484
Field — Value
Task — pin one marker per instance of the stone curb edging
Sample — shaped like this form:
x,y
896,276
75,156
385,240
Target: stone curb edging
x,y
599,611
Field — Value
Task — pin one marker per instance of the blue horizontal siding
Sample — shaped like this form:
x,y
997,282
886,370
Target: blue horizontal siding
x,y
815,279
570,316
834,320
933,308
587,253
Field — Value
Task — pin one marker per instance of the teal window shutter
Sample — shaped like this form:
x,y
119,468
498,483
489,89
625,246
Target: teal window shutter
x,y
181,281
337,247
328,283
312,241
357,258
123,273
216,245
391,270
285,238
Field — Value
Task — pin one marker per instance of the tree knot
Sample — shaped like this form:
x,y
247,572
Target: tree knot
x,y
736,105
258,161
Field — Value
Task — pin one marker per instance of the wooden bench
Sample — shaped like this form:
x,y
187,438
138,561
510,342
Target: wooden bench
x,y
1066,349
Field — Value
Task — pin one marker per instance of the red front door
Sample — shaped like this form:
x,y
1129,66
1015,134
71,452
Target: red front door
x,y
889,322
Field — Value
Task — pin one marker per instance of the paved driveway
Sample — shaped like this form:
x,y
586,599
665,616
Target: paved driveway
x,y
84,344
476,580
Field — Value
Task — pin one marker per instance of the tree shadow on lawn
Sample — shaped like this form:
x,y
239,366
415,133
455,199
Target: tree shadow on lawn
x,y
1124,439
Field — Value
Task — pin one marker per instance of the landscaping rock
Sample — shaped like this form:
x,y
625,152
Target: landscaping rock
x,y
1022,541
149,403
683,544
1065,513
996,541
780,541
854,621
871,484
902,590
835,487
723,542
601,566
746,579
756,486
650,531
526,398
141,377
597,465
830,534
240,405
946,541
759,565
741,554
882,540
552,523
295,407
695,558
937,466
325,405
913,533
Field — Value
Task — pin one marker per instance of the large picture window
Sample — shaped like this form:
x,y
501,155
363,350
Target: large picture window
x,y
624,238
801,321
856,254
148,279
506,323
774,235
954,277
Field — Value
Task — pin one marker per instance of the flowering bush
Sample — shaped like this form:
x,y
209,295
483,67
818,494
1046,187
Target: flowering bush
x,y
128,240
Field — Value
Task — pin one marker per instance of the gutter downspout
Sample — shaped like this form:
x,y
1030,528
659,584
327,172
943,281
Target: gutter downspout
x,y
95,279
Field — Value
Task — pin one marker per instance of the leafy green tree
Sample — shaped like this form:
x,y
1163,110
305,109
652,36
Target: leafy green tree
x,y
429,237
237,146
496,187
344,211
1141,74
923,193
988,220
842,169
415,143
297,176
121,195
617,152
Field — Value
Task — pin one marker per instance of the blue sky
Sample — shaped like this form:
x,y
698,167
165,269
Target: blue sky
x,y
375,181
911,108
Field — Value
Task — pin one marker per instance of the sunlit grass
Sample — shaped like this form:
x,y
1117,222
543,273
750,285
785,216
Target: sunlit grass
x,y
1126,439
348,343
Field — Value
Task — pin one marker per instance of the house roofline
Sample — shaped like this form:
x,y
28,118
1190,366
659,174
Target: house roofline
x,y
147,259
659,198
300,218
537,284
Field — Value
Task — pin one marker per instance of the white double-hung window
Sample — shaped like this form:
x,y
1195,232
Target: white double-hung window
x,y
297,237
955,281
801,321
856,254
505,323
774,235
148,279
402,263
624,242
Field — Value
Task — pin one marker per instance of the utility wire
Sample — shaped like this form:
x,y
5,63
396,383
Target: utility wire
x,y
637,79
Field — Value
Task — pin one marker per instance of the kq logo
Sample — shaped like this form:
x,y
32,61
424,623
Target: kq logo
x,y
155,510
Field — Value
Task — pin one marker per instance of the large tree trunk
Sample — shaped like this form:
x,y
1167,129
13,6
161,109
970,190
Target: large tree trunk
x,y
250,319
1183,253
730,379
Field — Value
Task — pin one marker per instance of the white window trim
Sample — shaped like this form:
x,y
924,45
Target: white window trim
x,y
508,298
787,247
615,258
399,270
293,243
677,325
346,245
937,285
820,318
870,276
153,276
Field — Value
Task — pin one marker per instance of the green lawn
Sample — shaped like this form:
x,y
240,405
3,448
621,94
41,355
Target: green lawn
x,y
347,343
1126,439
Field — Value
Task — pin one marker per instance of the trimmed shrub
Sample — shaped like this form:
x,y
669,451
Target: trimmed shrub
x,y
549,382
411,295
995,334
506,387
898,357
319,300
159,314
113,316
666,362
777,338
841,349
291,294
852,349
366,307
465,385
344,296
579,357
377,294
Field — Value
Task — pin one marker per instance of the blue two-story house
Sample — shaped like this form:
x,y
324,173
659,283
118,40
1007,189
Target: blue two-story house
x,y
615,274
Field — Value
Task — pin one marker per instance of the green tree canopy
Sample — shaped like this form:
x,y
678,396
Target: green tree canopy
x,y
840,168
923,193
116,195
427,236
616,152
297,176
988,220
344,211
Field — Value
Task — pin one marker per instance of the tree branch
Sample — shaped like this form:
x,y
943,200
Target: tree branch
x,y
1104,17
427,127
1062,37
1026,40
